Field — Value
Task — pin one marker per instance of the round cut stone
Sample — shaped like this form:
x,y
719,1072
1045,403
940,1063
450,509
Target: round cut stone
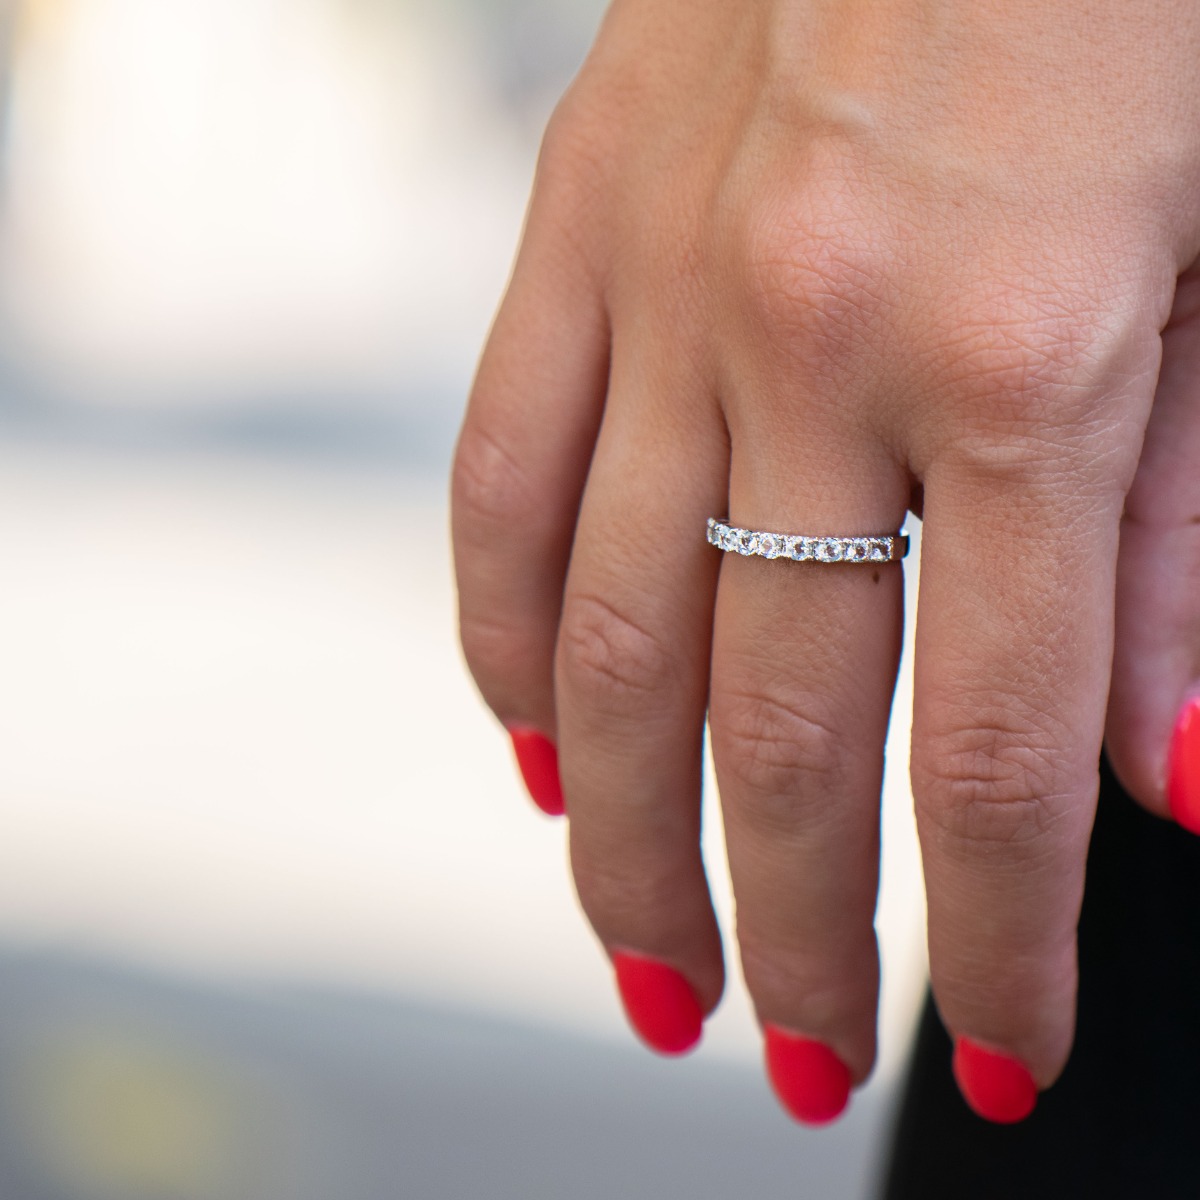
x,y
770,545
829,550
747,541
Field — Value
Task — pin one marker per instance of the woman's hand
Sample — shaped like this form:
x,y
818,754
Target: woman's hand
x,y
813,263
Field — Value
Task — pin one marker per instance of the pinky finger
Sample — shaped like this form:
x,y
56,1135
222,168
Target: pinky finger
x,y
1154,710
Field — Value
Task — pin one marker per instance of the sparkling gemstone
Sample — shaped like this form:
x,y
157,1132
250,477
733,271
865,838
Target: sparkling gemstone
x,y
801,548
879,550
829,550
747,541
857,550
770,545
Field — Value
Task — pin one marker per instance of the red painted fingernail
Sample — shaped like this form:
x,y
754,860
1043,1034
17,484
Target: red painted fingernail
x,y
997,1087
812,1083
1183,767
659,1002
538,760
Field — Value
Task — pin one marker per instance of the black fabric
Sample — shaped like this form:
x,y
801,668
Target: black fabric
x,y
1123,1122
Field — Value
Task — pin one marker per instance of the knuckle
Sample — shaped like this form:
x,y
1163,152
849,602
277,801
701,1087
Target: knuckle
x,y
814,268
810,287
1030,380
609,660
502,655
992,788
618,894
1024,352
577,153
489,487
832,989
774,751
573,187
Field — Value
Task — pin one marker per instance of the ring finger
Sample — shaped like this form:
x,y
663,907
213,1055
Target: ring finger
x,y
804,663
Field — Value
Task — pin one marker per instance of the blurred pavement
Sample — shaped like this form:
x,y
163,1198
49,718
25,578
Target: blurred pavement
x,y
144,1088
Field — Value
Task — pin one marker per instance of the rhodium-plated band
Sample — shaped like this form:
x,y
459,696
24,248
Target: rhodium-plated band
x,y
802,548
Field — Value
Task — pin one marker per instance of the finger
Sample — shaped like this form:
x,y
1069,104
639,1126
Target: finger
x,y
632,686
1154,713
1012,657
519,471
804,664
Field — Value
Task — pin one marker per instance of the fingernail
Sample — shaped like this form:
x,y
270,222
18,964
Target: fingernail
x,y
997,1087
538,760
1183,767
659,1002
812,1083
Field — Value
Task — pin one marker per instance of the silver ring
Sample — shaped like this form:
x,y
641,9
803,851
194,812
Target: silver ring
x,y
802,548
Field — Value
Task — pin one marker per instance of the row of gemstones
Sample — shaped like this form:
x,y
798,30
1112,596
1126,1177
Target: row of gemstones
x,y
801,549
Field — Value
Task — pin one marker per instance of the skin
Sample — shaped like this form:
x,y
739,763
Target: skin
x,y
811,264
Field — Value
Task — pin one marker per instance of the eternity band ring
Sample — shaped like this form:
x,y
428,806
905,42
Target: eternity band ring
x,y
802,548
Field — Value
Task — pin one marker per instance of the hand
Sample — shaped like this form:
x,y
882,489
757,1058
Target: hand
x,y
813,263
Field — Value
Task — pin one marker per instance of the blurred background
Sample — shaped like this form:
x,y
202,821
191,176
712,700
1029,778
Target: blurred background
x,y
276,920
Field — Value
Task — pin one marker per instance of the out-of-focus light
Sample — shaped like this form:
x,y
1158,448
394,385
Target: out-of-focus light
x,y
106,1114
216,197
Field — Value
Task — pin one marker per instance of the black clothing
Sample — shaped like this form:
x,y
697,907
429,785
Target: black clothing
x,y
1123,1122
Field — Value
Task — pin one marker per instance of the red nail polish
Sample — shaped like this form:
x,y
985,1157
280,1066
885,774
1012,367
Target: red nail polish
x,y
659,1002
997,1087
812,1083
1183,767
538,760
